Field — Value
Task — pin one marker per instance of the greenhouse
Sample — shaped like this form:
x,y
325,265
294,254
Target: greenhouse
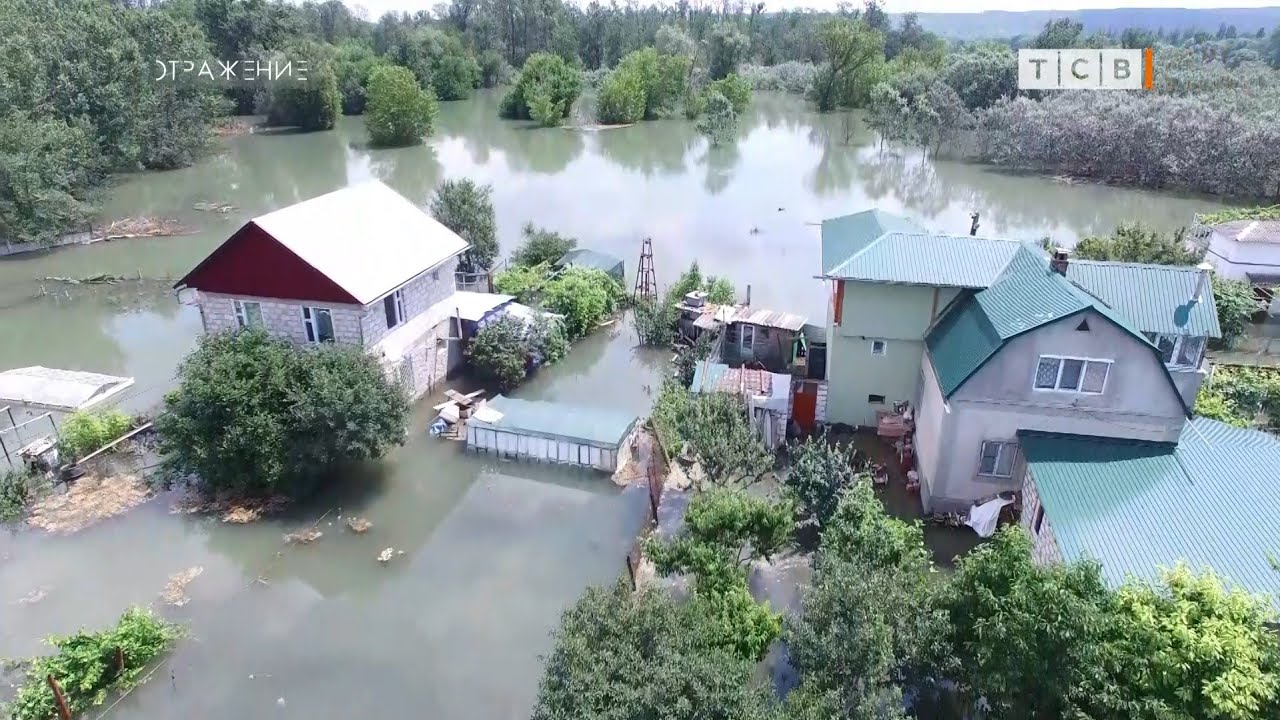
x,y
550,432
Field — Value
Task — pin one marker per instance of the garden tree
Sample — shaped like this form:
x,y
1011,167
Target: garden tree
x,y
547,78
1236,305
467,209
584,296
820,472
502,349
525,282
541,246
353,65
654,322
47,168
1241,396
982,76
726,48
620,654
253,416
852,52
718,122
728,451
310,104
399,112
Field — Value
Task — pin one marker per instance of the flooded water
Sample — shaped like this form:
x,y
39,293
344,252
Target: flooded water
x,y
492,552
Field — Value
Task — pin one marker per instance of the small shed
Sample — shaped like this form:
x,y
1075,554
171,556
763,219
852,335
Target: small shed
x,y
767,396
582,257
768,337
474,310
35,400
550,432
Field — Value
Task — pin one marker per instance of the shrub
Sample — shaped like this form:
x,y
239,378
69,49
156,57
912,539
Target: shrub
x,y
83,432
645,85
254,416
584,296
654,322
621,98
545,73
310,105
719,123
1236,304
16,493
522,281
735,90
503,350
398,112
454,72
541,246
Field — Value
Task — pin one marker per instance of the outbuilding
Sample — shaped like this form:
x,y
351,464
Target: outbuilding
x,y
550,432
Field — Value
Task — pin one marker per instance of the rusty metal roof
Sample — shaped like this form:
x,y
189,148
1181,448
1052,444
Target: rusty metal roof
x,y
717,377
770,318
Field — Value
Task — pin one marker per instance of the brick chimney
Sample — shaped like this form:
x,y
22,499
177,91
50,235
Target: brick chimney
x,y
1058,262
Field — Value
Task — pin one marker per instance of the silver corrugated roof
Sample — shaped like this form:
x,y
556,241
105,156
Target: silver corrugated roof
x,y
769,318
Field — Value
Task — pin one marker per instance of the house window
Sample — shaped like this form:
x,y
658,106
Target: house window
x,y
1178,350
748,337
393,306
1072,374
248,314
318,323
1039,519
879,347
435,275
997,459
875,399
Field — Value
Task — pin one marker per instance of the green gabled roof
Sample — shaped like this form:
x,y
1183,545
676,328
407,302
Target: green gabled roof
x,y
1210,501
846,235
1155,298
918,258
1026,295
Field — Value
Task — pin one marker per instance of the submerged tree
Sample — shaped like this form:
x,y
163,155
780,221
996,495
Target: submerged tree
x,y
309,104
466,208
718,122
398,112
545,82
850,48
254,416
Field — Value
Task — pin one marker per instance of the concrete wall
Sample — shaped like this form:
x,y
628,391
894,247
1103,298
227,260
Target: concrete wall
x,y
998,401
1189,382
1044,549
1232,259
931,424
419,294
280,318
427,362
900,315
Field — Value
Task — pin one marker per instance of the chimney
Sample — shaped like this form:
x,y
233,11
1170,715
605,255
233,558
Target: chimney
x,y
973,227
1202,282
1059,261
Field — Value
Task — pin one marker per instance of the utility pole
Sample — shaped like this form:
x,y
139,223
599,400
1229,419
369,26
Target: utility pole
x,y
646,284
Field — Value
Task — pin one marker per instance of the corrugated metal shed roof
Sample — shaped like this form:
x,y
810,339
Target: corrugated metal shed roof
x,y
927,259
1213,501
367,238
56,389
815,334
846,235
769,318
735,381
583,257
595,426
473,306
707,375
1155,298
1250,231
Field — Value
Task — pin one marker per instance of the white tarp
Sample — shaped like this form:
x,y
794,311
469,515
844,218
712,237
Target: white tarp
x,y
52,389
983,518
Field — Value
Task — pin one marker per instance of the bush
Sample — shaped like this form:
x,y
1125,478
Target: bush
x,y
83,432
719,123
522,281
791,76
1236,304
621,98
454,72
16,494
735,90
353,66
85,665
47,167
253,416
584,296
503,350
645,85
654,322
541,246
550,76
398,111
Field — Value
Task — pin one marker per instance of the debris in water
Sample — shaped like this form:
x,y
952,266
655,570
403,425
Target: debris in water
x,y
136,227
385,556
99,279
303,537
175,591
32,597
91,498
359,525
219,207
230,511
280,702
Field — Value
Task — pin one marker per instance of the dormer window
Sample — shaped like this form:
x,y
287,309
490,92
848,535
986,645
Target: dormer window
x,y
1179,351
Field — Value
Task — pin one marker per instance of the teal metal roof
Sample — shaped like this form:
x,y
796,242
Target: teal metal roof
x,y
928,259
843,236
1211,501
707,375
1155,298
594,426
1027,295
583,257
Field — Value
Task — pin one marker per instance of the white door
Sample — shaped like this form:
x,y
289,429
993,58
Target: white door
x,y
746,338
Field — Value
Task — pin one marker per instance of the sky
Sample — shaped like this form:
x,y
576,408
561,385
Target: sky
x,y
377,7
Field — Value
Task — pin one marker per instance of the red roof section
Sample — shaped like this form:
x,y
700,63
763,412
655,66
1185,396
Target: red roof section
x,y
252,262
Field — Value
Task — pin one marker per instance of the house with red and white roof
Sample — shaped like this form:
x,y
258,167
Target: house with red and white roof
x,y
361,265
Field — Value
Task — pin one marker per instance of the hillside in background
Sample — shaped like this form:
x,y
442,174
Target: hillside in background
x,y
1003,24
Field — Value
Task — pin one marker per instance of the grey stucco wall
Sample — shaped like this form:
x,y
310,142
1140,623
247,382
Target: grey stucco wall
x,y
931,443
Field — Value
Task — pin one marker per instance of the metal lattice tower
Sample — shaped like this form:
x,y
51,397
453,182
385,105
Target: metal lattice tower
x,y
646,284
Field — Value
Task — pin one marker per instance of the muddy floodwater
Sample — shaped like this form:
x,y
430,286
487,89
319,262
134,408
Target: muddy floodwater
x,y
492,552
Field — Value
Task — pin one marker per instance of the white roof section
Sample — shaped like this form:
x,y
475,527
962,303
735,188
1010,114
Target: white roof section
x,y
473,306
52,389
367,238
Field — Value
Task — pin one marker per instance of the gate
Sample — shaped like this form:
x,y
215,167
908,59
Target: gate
x,y
804,404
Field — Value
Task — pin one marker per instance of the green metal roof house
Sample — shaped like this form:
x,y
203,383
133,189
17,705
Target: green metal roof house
x,y
1211,500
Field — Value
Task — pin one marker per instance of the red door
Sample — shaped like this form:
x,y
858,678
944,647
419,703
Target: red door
x,y
804,404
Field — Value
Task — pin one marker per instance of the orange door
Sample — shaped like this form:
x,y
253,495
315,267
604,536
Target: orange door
x,y
804,404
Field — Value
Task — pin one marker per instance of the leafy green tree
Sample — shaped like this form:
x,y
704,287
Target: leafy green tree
x,y
619,654
621,97
309,105
645,85
727,447
17,491
718,122
525,282
454,71
654,322
719,290
1060,33
726,48
253,416
983,76
548,73
1135,242
820,472
500,352
852,52
47,168
467,209
353,65
541,246
735,89
1236,305
398,112
584,296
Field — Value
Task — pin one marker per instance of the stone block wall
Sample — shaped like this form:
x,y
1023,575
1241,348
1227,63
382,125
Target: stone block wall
x,y
280,318
426,363
1044,549
419,294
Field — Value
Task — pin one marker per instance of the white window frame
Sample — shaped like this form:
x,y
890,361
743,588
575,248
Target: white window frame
x,y
241,308
1003,446
397,303
1177,348
884,348
1084,369
311,329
